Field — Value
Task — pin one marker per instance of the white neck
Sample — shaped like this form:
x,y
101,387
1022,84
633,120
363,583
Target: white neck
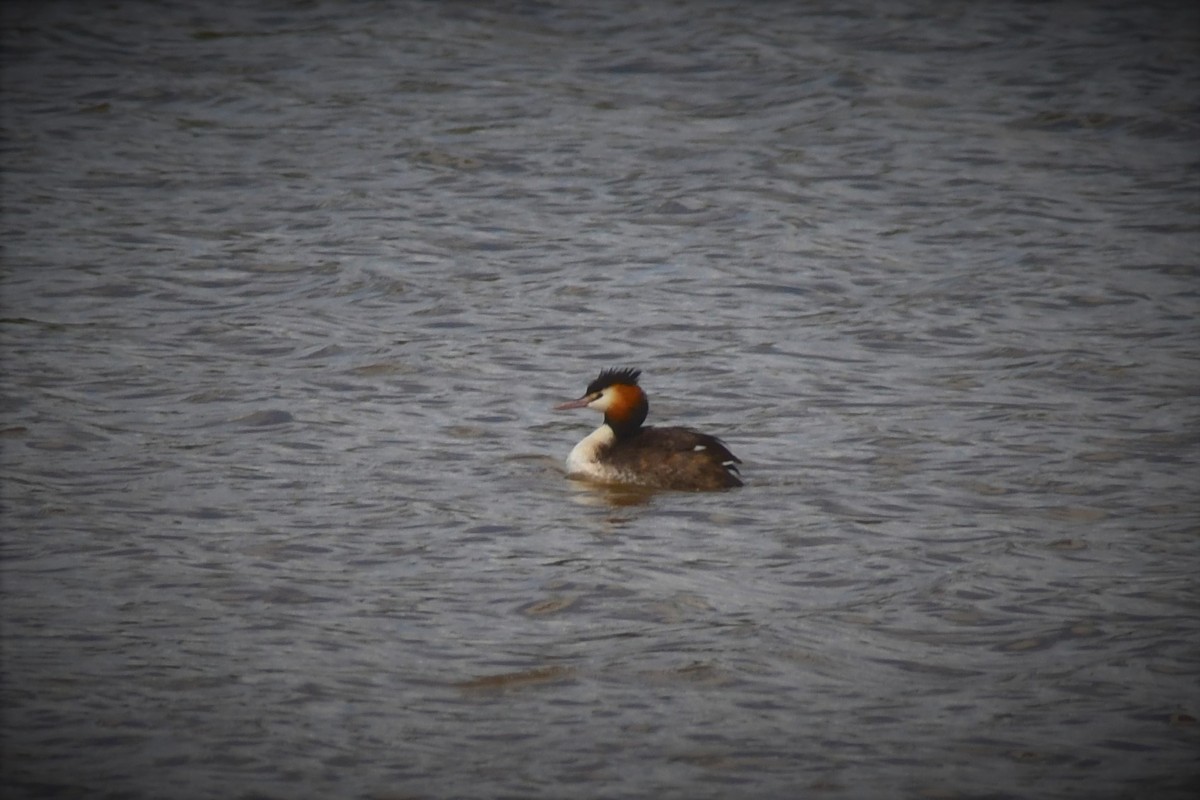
x,y
584,457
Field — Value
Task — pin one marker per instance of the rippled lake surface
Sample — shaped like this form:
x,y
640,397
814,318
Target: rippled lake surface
x,y
290,288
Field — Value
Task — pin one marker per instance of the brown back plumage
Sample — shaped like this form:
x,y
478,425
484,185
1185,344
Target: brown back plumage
x,y
676,458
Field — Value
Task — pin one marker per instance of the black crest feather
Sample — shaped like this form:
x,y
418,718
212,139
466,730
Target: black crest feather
x,y
611,377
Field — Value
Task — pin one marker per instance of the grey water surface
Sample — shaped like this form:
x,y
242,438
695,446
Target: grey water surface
x,y
289,289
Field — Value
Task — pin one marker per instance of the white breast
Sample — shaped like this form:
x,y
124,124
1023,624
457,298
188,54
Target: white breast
x,y
584,461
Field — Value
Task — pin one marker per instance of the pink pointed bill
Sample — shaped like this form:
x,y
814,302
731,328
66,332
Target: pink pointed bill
x,y
580,403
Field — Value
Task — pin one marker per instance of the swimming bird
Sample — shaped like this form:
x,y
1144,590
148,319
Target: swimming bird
x,y
623,451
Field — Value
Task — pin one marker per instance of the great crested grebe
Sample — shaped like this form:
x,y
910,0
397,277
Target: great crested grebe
x,y
622,451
